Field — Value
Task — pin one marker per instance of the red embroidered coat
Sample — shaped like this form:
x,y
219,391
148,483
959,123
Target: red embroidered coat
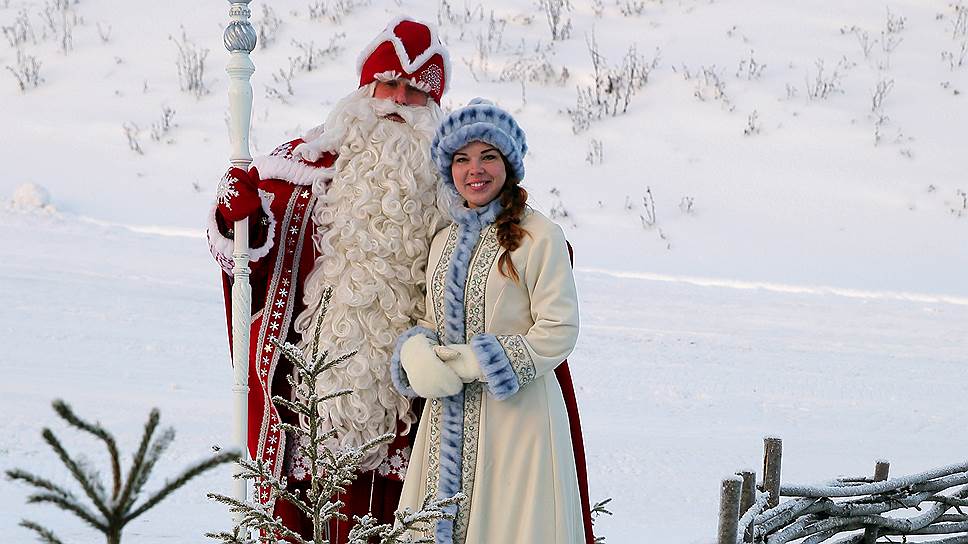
x,y
282,255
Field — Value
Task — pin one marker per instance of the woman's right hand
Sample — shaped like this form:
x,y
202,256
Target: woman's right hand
x,y
429,377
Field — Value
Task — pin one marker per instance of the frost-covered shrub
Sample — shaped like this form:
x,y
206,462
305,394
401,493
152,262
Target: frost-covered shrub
x,y
311,57
613,86
191,65
557,210
20,31
26,72
282,79
596,152
823,83
133,135
161,128
749,68
534,67
447,14
60,21
334,10
558,23
753,124
711,86
268,26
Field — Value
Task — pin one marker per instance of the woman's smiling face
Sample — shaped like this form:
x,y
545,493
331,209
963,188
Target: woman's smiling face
x,y
479,173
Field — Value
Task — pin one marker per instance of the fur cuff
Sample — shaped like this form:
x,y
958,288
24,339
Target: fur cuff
x,y
222,247
397,373
501,379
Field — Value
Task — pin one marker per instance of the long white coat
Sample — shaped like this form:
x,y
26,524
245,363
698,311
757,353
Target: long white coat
x,y
516,461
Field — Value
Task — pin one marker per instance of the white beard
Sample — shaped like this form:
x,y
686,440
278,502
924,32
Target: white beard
x,y
375,221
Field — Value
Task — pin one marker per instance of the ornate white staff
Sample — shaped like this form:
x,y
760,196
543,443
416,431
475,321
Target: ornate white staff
x,y
240,40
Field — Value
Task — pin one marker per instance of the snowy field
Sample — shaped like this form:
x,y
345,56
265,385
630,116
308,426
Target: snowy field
x,y
815,288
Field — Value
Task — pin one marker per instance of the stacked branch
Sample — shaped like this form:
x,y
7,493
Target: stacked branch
x,y
331,472
860,510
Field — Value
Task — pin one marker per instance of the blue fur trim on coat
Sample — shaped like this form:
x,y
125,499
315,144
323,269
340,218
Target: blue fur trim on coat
x,y
470,223
502,382
451,452
397,373
480,120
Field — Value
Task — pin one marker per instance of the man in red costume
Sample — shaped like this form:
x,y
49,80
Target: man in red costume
x,y
351,205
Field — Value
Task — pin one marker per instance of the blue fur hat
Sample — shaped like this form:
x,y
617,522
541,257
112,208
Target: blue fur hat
x,y
479,120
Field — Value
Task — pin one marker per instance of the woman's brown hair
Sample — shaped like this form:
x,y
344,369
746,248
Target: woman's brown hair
x,y
513,200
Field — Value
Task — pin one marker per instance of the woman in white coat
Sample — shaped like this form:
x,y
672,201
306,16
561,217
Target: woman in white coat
x,y
502,313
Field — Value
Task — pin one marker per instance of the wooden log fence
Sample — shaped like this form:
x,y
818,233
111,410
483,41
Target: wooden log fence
x,y
928,507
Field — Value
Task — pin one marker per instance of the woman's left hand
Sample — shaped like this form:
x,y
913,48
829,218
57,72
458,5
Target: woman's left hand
x,y
462,359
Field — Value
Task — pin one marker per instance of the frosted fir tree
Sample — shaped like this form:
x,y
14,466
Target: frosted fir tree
x,y
330,470
111,510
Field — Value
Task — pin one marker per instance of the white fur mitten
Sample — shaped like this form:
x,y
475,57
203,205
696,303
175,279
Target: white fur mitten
x,y
462,359
428,375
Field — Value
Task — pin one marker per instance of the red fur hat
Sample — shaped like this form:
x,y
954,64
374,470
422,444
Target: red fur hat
x,y
407,49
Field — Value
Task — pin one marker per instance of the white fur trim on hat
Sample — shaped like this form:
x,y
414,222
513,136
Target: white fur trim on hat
x,y
391,75
410,66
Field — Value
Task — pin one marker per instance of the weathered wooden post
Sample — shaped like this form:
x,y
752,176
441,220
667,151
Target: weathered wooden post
x,y
881,469
240,39
747,498
729,500
772,455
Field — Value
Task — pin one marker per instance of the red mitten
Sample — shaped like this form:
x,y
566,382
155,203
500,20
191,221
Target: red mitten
x,y
238,194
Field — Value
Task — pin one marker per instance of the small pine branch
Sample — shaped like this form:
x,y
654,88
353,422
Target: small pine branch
x,y
68,415
158,447
182,479
78,471
109,516
597,510
40,483
128,494
600,509
45,535
70,506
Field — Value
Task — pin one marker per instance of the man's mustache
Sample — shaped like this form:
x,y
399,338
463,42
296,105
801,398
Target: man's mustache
x,y
387,108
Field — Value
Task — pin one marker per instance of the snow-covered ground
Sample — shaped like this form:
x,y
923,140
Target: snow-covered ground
x,y
816,289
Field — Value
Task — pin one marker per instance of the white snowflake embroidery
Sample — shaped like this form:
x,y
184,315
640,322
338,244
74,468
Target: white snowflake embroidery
x,y
395,464
226,191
